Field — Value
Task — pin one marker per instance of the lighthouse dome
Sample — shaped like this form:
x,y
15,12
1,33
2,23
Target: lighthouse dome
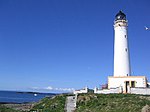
x,y
120,16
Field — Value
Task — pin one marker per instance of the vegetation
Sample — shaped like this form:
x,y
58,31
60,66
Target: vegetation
x,y
6,109
48,104
55,104
111,102
91,103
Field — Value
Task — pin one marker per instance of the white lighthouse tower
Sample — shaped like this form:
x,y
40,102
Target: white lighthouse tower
x,y
122,81
121,48
122,72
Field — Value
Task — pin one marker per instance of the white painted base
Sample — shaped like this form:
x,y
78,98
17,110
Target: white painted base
x,y
127,82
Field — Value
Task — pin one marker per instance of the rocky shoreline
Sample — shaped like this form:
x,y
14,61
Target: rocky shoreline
x,y
18,106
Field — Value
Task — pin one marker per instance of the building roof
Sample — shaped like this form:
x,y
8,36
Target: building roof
x,y
120,16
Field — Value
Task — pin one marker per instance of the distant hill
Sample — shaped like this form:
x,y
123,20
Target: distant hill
x,y
36,93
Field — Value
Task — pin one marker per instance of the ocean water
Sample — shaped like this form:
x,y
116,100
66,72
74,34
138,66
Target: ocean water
x,y
21,97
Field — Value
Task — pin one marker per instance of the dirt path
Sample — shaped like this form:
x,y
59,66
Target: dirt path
x,y
71,103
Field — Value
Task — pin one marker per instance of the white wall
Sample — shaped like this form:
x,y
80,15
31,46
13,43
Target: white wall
x,y
114,82
81,91
144,91
121,49
106,91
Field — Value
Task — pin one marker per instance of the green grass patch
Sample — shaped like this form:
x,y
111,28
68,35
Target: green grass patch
x,y
111,102
55,104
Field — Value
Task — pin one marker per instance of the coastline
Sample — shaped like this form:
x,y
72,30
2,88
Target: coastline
x,y
21,101
24,106
17,97
17,102
19,106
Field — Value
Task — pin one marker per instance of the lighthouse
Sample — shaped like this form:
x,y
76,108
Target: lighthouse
x,y
122,71
121,81
121,47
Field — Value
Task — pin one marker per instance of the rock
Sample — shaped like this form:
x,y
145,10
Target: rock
x,y
146,108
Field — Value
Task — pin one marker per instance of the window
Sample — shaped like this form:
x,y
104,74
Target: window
x,y
126,49
125,36
133,84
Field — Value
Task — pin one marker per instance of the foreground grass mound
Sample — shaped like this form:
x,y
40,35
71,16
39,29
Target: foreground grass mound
x,y
111,102
55,104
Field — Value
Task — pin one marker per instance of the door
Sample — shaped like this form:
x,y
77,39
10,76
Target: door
x,y
126,86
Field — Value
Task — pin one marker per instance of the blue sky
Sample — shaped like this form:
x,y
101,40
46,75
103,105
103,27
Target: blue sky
x,y
57,44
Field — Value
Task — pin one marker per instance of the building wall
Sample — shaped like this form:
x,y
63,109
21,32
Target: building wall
x,y
143,91
106,91
118,85
114,82
85,90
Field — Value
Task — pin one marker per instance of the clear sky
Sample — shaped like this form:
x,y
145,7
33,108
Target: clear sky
x,y
57,44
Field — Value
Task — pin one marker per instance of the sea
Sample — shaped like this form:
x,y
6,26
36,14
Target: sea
x,y
22,97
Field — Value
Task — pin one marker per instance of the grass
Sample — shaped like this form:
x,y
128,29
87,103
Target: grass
x,y
56,104
48,104
111,102
91,103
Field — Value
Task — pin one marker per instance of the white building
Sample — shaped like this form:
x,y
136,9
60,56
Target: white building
x,y
84,90
126,83
122,81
